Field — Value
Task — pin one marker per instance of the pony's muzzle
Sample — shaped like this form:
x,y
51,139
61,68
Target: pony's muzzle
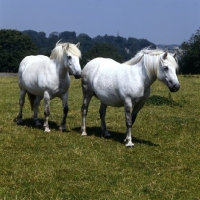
x,y
77,75
175,87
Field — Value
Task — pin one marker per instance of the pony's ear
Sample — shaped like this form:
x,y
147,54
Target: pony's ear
x,y
165,56
57,43
65,45
174,55
78,45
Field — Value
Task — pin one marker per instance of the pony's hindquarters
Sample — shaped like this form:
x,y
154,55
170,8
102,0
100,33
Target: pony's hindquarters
x,y
24,78
23,91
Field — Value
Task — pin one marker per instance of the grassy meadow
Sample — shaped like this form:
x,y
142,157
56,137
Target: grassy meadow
x,y
164,163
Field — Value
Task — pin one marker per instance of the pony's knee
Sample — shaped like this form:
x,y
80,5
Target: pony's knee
x,y
84,109
128,120
47,112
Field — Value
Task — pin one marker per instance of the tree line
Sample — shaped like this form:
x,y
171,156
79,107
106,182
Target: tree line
x,y
15,45
33,42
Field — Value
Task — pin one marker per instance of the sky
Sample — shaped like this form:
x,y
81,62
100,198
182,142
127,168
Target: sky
x,y
159,21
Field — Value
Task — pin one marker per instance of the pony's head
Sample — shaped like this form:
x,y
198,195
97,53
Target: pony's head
x,y
160,65
166,72
68,55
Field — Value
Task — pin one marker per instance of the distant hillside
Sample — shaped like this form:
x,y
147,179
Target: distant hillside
x,y
126,48
169,46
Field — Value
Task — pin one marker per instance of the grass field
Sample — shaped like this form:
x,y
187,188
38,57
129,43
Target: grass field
x,y
164,164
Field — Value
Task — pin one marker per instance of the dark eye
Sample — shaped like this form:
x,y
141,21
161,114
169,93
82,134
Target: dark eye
x,y
69,57
165,68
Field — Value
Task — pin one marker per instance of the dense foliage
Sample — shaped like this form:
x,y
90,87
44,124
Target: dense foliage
x,y
101,50
125,48
14,46
190,62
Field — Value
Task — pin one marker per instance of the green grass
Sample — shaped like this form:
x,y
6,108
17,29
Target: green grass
x,y
164,164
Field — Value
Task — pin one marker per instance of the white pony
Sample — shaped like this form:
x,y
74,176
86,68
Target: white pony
x,y
126,84
44,77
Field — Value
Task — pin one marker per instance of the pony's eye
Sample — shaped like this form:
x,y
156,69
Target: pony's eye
x,y
166,68
69,57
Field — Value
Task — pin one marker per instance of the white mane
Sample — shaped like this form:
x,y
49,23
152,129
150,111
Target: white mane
x,y
151,52
61,48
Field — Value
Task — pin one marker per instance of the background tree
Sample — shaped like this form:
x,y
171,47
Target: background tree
x,y
101,50
190,61
40,40
14,46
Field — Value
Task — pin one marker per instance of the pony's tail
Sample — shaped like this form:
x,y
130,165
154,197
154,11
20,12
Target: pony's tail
x,y
31,99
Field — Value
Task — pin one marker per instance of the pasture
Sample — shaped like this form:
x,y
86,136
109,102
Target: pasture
x,y
163,164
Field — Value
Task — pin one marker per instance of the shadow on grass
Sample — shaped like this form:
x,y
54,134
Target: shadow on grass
x,y
116,136
159,101
28,122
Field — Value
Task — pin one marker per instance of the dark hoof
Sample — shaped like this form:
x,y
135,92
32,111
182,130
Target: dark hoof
x,y
107,137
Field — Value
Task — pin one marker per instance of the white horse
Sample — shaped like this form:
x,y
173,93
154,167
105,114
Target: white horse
x,y
44,77
126,84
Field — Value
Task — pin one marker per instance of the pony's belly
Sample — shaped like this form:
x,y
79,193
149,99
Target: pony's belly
x,y
111,100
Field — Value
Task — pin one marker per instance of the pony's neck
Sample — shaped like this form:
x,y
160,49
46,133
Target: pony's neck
x,y
61,69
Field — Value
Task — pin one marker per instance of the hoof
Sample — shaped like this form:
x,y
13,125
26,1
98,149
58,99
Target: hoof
x,y
62,129
130,146
107,135
128,143
19,121
37,123
47,130
83,134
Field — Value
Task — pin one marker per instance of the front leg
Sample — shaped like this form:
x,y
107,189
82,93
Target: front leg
x,y
130,119
65,112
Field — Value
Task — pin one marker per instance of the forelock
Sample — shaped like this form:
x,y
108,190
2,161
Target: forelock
x,y
73,49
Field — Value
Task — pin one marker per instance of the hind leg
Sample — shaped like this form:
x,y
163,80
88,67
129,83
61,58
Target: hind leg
x,y
84,110
102,112
21,104
35,110
46,111
128,110
87,95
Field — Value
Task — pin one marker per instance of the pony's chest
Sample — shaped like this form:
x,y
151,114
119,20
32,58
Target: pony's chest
x,y
63,85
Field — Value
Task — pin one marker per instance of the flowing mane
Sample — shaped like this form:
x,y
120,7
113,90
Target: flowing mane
x,y
152,52
57,52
